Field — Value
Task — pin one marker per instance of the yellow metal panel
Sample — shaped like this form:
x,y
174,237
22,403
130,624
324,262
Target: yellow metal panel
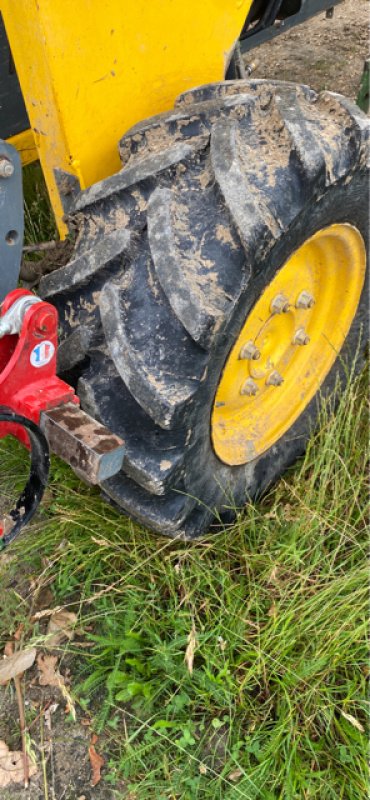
x,y
90,69
25,144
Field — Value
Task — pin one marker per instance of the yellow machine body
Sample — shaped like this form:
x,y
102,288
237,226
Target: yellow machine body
x,y
91,69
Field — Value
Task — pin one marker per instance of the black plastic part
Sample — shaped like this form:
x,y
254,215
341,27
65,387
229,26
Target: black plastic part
x,y
29,501
13,117
11,221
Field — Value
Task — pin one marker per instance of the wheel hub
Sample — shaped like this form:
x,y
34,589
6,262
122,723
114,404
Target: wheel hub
x,y
288,344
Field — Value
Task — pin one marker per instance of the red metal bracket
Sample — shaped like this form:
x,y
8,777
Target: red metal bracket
x,y
28,381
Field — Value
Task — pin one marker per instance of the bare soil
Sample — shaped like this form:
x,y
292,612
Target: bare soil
x,y
325,54
322,53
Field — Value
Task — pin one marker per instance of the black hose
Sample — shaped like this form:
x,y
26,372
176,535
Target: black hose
x,y
29,501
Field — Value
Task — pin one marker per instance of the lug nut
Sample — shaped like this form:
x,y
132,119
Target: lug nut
x,y
6,168
305,300
280,304
275,379
250,351
301,337
249,388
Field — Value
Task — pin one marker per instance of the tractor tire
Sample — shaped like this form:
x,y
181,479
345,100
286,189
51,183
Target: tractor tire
x,y
173,253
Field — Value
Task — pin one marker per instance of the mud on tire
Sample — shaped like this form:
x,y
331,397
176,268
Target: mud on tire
x,y
171,255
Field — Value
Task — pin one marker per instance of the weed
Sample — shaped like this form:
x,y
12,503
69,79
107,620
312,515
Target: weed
x,y
277,604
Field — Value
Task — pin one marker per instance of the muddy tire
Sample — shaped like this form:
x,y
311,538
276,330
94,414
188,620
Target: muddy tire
x,y
172,253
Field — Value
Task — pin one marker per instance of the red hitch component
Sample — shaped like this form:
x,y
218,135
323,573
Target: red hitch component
x,y
28,381
30,388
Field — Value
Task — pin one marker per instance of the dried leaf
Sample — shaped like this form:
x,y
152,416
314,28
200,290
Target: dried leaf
x,y
49,676
191,648
19,631
96,761
48,712
46,612
11,766
355,722
61,626
16,664
273,577
233,776
272,612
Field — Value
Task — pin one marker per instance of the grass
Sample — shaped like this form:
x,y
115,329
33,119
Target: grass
x,y
272,610
274,606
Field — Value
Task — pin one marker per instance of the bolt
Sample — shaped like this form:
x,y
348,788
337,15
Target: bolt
x,y
250,351
45,322
280,304
305,300
274,379
301,337
6,168
249,388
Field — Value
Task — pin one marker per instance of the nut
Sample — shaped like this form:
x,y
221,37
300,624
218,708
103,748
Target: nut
x,y
250,351
274,379
305,300
249,388
6,168
301,337
280,304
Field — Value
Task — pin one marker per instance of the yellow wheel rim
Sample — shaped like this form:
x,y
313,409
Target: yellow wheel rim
x,y
288,344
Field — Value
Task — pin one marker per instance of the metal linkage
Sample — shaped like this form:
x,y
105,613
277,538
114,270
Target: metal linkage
x,y
41,410
93,452
29,501
270,24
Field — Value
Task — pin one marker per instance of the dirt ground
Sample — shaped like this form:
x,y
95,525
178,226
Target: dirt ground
x,y
325,54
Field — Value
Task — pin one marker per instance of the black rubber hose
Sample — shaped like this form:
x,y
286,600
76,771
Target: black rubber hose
x,y
29,501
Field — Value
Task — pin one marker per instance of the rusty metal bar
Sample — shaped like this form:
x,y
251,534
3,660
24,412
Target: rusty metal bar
x,y
93,452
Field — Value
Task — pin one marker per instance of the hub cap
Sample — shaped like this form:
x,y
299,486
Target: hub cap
x,y
297,329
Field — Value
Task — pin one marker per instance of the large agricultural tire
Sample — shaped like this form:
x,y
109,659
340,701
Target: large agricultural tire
x,y
173,253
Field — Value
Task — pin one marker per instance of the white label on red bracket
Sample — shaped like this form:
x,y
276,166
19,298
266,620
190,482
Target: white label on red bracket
x,y
42,354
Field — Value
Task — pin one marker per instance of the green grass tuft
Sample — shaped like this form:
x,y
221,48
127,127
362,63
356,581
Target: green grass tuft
x,y
275,606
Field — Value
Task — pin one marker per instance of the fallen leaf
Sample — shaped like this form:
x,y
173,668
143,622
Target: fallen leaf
x,y
61,626
16,664
11,766
48,712
233,776
97,762
19,631
49,676
356,724
272,578
191,648
272,612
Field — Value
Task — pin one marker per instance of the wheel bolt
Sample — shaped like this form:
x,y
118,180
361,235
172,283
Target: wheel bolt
x,y
305,300
280,304
250,351
300,337
249,388
275,379
6,168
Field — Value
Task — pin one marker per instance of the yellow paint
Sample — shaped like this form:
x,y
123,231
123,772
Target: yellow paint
x,y
330,266
90,69
25,144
